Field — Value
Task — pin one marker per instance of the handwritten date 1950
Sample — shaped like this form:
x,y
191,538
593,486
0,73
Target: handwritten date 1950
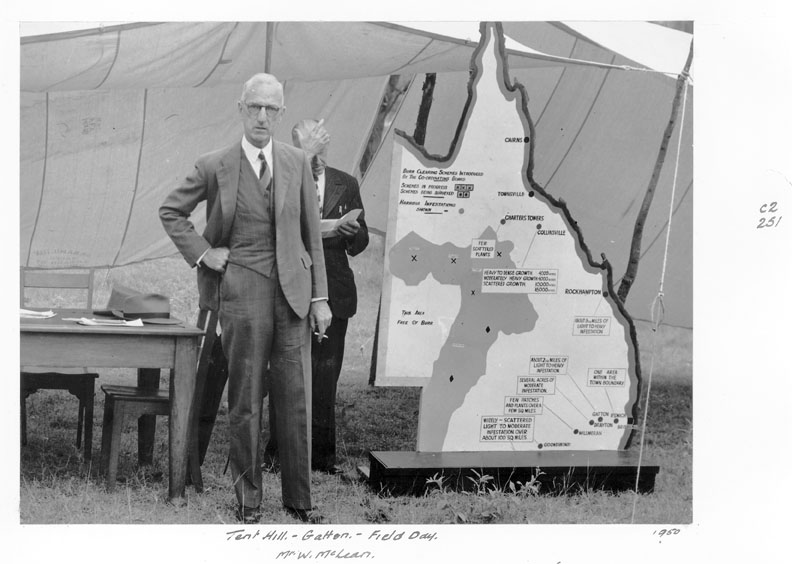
x,y
666,532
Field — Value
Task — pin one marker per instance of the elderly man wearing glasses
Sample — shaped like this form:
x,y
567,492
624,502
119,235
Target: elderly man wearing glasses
x,y
260,265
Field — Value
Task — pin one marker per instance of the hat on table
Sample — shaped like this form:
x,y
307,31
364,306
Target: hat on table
x,y
127,303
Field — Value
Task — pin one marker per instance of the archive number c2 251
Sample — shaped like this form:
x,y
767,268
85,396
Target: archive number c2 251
x,y
772,220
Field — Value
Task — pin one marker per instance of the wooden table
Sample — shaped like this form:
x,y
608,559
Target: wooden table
x,y
56,343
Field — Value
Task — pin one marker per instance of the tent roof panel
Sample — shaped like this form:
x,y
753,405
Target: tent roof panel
x,y
190,54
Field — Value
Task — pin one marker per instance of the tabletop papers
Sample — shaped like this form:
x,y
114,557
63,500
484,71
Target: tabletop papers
x,y
31,314
110,322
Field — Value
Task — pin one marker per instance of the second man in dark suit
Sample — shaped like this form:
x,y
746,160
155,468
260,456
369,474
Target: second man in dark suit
x,y
338,194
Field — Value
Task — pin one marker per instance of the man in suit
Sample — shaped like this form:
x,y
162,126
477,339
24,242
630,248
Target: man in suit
x,y
261,266
338,194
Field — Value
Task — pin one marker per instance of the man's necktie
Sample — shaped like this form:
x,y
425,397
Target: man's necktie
x,y
265,179
264,173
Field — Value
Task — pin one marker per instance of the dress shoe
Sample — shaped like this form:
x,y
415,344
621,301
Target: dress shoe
x,y
305,515
248,515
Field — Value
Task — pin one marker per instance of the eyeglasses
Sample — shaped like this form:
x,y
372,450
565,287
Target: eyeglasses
x,y
253,110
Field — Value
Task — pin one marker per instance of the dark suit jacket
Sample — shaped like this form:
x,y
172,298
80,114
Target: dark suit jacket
x,y
299,257
342,195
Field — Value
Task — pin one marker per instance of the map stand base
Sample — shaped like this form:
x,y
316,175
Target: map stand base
x,y
402,473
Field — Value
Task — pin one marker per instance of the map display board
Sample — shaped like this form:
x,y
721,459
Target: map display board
x,y
491,300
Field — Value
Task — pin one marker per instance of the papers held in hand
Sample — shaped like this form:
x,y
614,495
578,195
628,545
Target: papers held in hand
x,y
330,226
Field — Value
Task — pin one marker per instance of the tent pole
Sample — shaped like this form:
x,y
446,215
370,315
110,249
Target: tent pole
x,y
635,249
423,111
390,98
268,52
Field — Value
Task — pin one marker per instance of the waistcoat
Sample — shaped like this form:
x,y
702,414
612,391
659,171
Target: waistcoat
x,y
252,238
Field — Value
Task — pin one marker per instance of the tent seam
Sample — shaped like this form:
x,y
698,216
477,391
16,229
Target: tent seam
x,y
588,114
577,35
538,55
555,88
43,178
47,37
663,228
550,98
107,266
137,179
221,59
112,64
665,225
413,59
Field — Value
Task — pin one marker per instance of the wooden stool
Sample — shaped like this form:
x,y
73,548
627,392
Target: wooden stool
x,y
80,384
121,401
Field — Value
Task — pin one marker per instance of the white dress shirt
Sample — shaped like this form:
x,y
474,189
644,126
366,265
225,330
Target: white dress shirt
x,y
320,190
252,155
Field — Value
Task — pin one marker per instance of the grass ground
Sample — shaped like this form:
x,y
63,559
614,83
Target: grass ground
x,y
57,487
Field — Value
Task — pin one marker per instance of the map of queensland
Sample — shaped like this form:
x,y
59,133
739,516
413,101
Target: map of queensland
x,y
491,300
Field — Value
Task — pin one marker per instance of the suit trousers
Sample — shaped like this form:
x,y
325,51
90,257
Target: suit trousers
x,y
259,328
327,358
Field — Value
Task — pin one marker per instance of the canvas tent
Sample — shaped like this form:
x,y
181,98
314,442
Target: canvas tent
x,y
112,119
